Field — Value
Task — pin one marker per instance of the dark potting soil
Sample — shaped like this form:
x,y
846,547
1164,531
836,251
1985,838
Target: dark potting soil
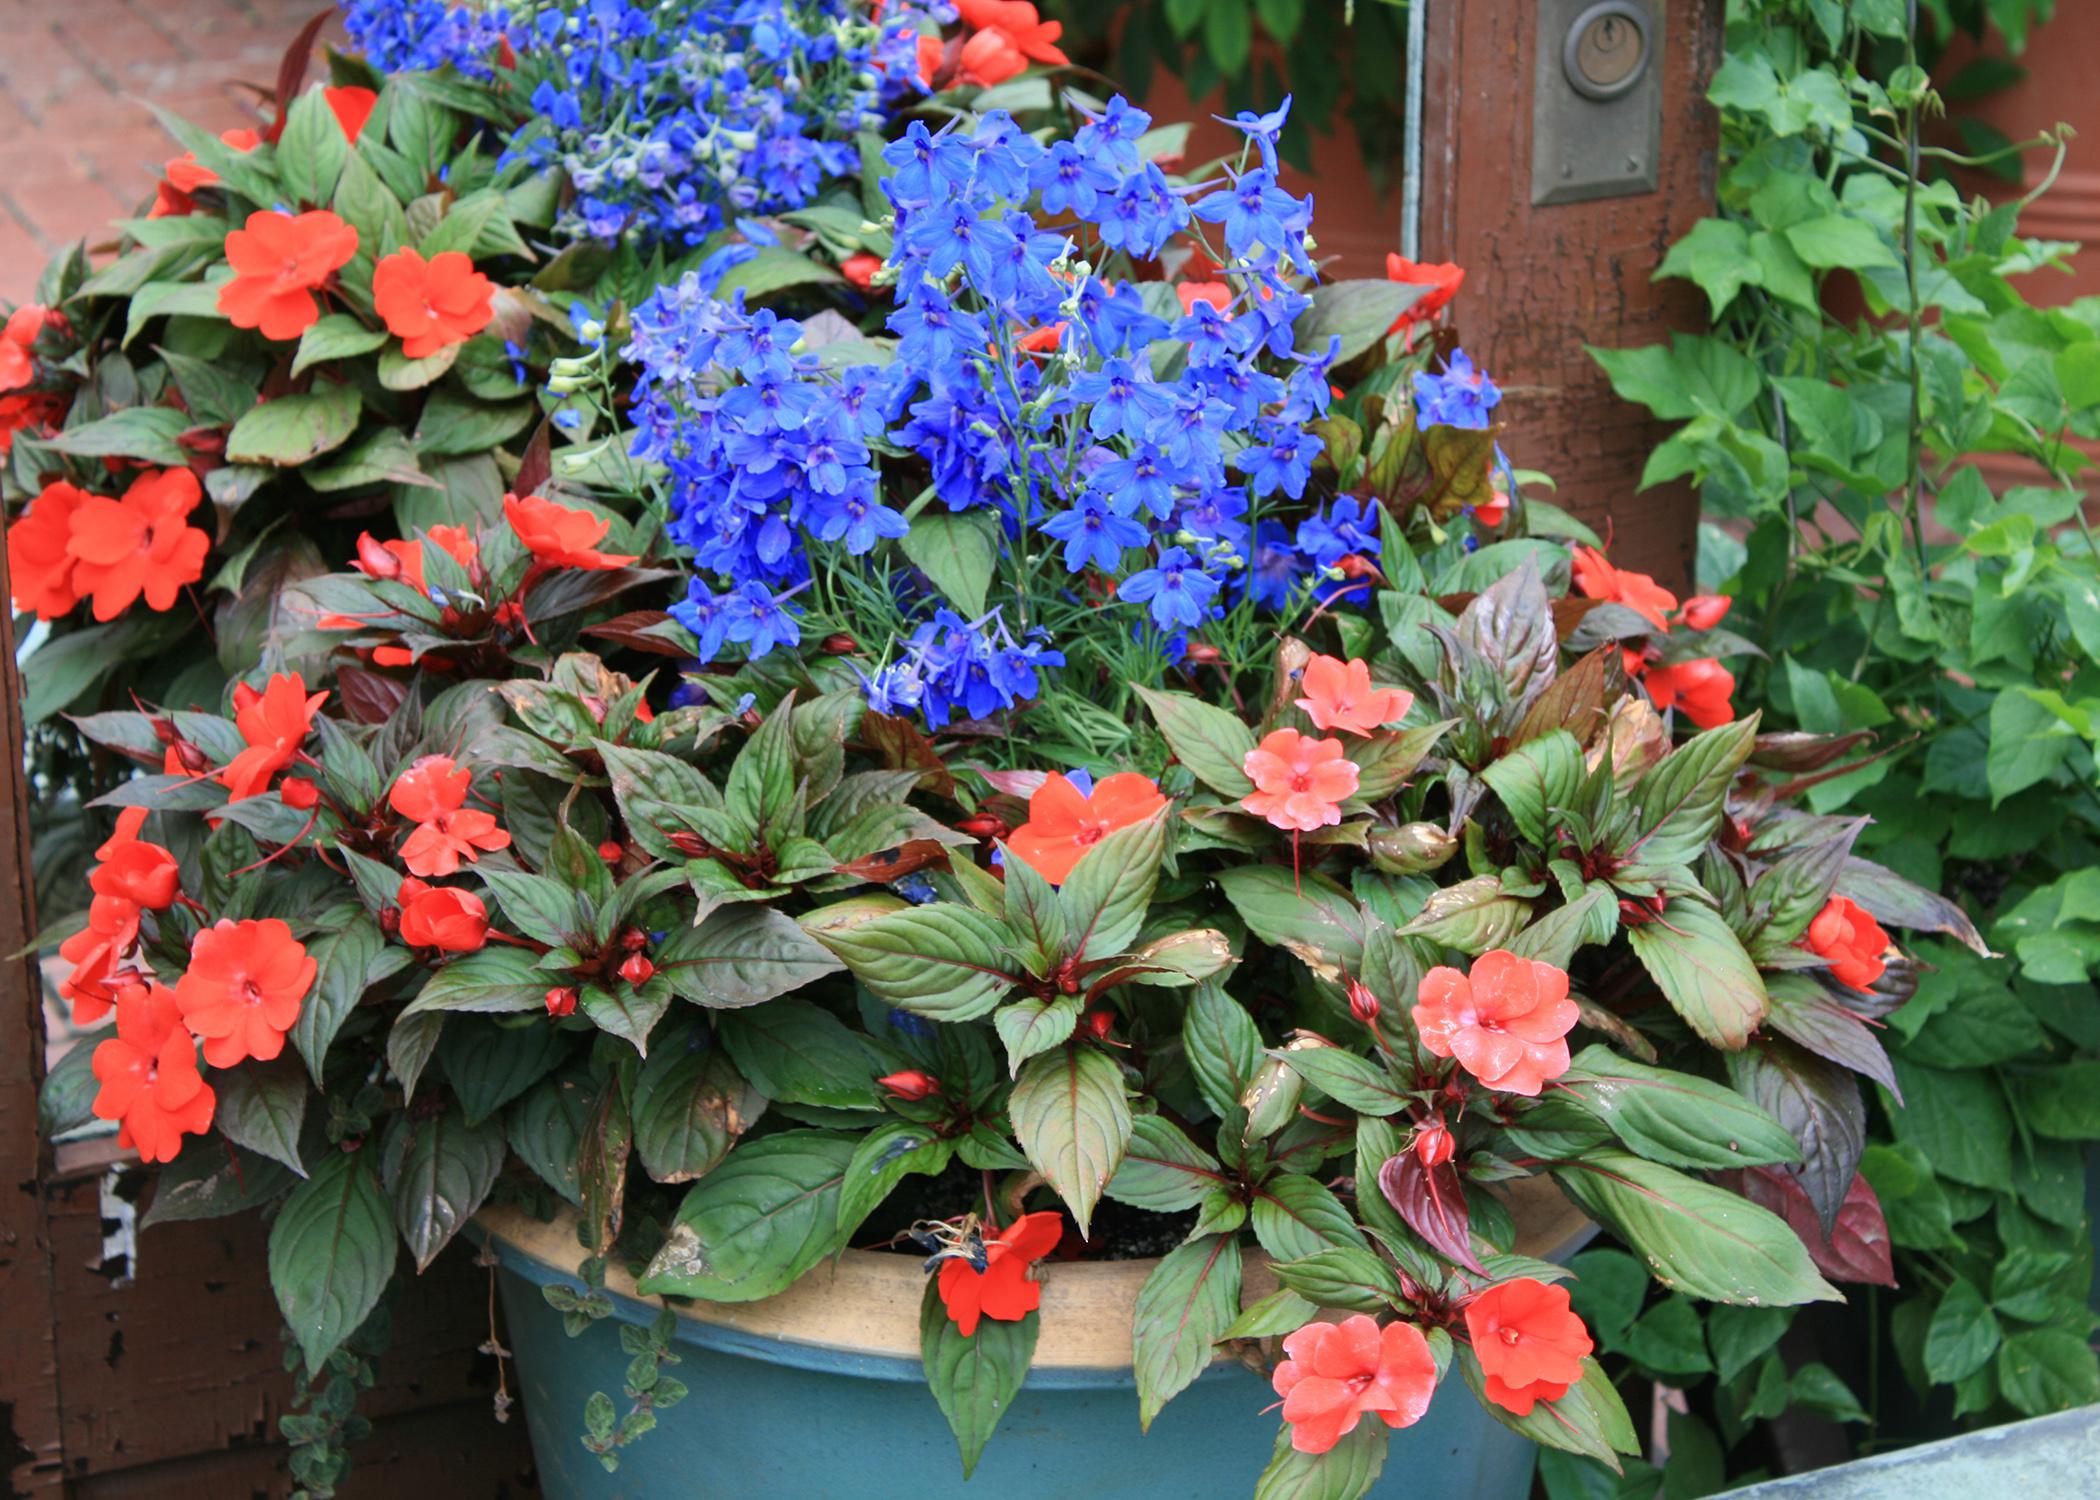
x,y
1119,1232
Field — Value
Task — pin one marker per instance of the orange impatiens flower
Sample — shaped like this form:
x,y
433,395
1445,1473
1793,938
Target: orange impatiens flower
x,y
148,1072
275,723
1852,940
186,174
17,334
1597,579
431,305
94,952
352,106
142,544
39,560
244,988
1339,695
1705,611
1443,279
1300,783
1507,1023
989,59
404,559
432,794
1529,1344
1022,28
1703,688
279,261
1064,822
559,536
133,869
442,916
1003,1290
1338,1371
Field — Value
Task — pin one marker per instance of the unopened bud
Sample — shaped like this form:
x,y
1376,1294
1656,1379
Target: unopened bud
x,y
1433,1143
1099,1023
910,1085
638,971
1362,1003
561,1001
298,793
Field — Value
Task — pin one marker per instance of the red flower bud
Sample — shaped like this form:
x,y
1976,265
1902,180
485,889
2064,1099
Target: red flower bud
x,y
1356,566
1362,1003
611,851
839,644
688,843
1202,653
984,826
374,559
1705,611
510,614
634,939
637,971
561,1001
1433,1143
1098,1023
911,1084
298,792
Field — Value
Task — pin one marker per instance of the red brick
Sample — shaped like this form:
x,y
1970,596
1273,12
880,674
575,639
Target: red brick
x,y
21,261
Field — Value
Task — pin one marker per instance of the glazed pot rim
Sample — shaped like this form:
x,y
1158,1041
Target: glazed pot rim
x,y
866,1302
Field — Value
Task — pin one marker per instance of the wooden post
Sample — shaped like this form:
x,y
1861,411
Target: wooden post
x,y
1544,281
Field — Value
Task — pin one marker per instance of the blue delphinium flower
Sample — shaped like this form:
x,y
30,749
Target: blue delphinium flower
x,y
949,664
399,36
1461,396
1175,589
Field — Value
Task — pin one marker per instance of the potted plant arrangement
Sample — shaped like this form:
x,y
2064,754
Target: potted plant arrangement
x,y
975,773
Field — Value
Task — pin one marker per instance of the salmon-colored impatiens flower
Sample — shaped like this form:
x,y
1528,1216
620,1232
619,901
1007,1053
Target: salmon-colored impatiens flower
x,y
352,106
1338,1371
1064,822
1300,783
94,952
275,723
148,1072
432,794
278,261
403,559
1705,611
442,916
559,536
1597,579
39,560
1506,1023
1703,688
17,334
1852,940
142,544
186,174
1339,695
244,988
1442,278
132,869
431,304
1003,1290
1529,1344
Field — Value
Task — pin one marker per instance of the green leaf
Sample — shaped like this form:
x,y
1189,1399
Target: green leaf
x,y
1678,803
2047,1369
1839,241
1697,1239
944,961
1536,780
144,433
67,1098
214,1185
263,1106
492,981
453,423
287,431
1295,1217
1163,1170
773,269
957,550
798,1053
1212,743
690,1105
1962,1336
1356,312
974,1379
1715,254
1673,1117
625,1011
1071,1118
1105,897
311,151
1312,917
540,906
1032,1027
488,1066
2028,743
753,1225
335,336
1282,1311
1696,961
741,955
1182,1310
1353,1082
331,1254
761,785
1344,1472
885,1156
1343,1276
439,1169
1223,1046
350,962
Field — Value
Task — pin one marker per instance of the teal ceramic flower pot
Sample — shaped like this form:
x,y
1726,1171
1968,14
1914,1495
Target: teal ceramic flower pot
x,y
818,1395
